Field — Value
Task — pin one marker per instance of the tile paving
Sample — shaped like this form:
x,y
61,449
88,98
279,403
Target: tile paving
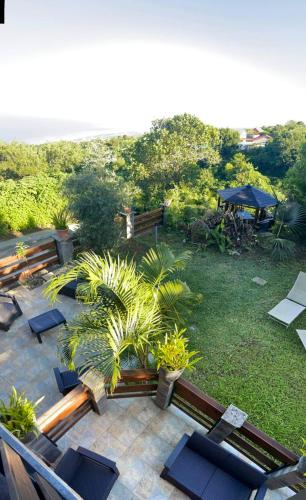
x,y
134,432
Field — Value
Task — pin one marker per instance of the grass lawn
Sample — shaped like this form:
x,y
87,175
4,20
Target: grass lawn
x,y
248,359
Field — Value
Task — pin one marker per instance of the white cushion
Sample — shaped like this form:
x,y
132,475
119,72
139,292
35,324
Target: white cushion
x,y
286,311
302,335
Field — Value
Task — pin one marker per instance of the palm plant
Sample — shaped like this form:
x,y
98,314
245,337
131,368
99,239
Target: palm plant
x,y
130,308
290,223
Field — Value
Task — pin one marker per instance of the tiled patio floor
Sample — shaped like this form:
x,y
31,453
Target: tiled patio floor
x,y
24,362
133,432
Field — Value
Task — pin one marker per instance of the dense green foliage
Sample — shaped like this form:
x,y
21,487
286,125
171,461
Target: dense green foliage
x,y
29,202
19,160
130,308
94,199
18,415
181,159
296,178
282,151
172,352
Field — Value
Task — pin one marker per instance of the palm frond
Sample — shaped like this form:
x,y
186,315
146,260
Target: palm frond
x,y
175,300
293,216
159,262
58,282
282,249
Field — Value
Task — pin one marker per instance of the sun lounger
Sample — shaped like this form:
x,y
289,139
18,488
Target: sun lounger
x,y
293,305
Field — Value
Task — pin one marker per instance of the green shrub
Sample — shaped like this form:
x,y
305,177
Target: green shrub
x,y
29,203
173,354
95,198
18,416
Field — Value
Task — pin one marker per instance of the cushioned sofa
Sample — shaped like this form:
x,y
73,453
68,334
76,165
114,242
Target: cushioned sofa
x,y
205,470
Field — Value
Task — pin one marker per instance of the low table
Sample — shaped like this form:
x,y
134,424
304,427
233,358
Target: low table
x,y
302,335
46,321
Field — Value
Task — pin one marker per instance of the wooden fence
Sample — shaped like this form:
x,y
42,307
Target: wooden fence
x,y
139,224
14,268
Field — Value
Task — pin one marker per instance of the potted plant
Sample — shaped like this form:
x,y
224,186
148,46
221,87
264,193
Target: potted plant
x,y
60,220
172,358
18,415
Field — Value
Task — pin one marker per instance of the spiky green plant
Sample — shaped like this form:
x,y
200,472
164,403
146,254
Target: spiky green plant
x,y
18,415
61,219
130,308
172,352
290,223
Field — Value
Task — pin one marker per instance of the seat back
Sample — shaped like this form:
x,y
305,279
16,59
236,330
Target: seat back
x,y
298,291
66,468
227,461
246,473
207,448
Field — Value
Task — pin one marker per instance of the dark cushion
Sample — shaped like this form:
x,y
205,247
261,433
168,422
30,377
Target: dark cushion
x,y
243,471
68,465
191,471
69,378
90,479
46,321
208,448
223,486
9,311
70,289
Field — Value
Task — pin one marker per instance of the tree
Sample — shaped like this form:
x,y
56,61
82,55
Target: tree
x,y
282,151
131,308
171,153
94,199
229,140
63,156
240,172
295,180
20,160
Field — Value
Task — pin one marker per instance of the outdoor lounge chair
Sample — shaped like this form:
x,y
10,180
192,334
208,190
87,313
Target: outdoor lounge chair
x,y
204,469
89,474
293,305
67,379
9,311
46,321
70,289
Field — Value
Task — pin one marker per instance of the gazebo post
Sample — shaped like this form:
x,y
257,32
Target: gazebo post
x,y
256,215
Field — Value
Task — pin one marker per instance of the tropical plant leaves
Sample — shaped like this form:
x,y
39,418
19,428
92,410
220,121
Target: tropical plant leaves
x,y
158,263
129,308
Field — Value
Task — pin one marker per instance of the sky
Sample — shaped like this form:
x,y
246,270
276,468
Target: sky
x,y
117,65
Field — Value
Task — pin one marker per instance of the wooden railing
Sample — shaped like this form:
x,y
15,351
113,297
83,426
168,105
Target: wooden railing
x,y
65,413
14,268
135,383
248,439
76,404
139,224
148,220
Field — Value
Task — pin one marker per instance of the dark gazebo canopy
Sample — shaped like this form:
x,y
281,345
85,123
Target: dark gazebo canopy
x,y
248,196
